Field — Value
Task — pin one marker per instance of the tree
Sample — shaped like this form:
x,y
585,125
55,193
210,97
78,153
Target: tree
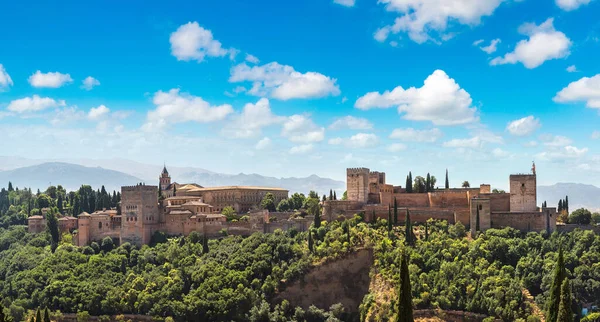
x,y
477,222
334,196
268,202
428,183
408,185
566,204
395,211
317,213
389,221
310,241
433,182
330,194
447,185
466,184
345,195
596,218
174,191
10,187
560,206
313,194
230,213
559,276
404,312
52,226
107,244
285,205
419,185
38,316
580,216
426,231
408,233
205,245
565,311
325,198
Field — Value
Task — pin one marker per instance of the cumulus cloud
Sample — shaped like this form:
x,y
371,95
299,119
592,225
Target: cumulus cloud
x,y
192,42
49,80
263,144
501,154
572,69
335,141
33,104
363,140
555,140
345,3
396,147
524,126
96,113
491,48
412,135
544,43
301,149
425,20
569,5
352,123
440,100
479,138
89,83
5,80
300,128
252,59
562,153
252,119
586,89
283,82
175,107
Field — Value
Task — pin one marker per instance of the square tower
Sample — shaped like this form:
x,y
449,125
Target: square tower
x,y
140,215
357,184
480,207
523,193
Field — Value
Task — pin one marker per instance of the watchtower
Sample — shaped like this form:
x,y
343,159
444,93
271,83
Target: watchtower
x,y
140,216
357,184
523,193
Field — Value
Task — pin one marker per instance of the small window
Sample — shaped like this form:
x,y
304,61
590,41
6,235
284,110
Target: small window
x,y
480,207
522,185
99,225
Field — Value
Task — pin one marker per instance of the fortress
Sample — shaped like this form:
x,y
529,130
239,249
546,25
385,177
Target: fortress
x,y
368,192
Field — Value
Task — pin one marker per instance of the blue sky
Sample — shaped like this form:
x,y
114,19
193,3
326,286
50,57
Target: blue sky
x,y
294,88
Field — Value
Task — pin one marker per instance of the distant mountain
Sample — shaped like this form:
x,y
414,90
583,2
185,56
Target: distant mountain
x,y
70,176
580,195
304,185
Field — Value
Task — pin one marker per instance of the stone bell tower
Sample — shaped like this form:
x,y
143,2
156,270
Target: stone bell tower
x,y
165,179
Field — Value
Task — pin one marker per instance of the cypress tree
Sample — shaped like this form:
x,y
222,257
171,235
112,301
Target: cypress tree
x,y
404,312
428,183
408,233
447,182
174,191
560,206
408,185
426,231
566,204
565,311
205,245
330,194
389,218
334,196
310,241
10,187
325,198
32,319
559,276
395,211
38,316
46,315
52,224
410,180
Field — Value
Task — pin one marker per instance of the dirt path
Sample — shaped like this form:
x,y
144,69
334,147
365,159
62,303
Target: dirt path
x,y
534,307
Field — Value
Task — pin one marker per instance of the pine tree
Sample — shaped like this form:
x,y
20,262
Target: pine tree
x,y
330,194
428,183
395,211
447,182
205,245
46,315
404,312
565,311
408,233
559,276
334,196
38,316
310,241
389,218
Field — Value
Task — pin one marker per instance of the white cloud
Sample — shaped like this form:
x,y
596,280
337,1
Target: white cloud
x,y
572,69
253,118
555,140
99,112
499,153
474,142
66,115
89,83
491,48
595,135
335,141
396,147
351,122
192,42
586,89
363,140
174,107
382,33
50,80
479,138
252,59
530,144
569,5
562,153
300,128
5,80
263,144
544,43
478,42
33,104
345,3
524,126
440,100
301,149
425,20
283,82
412,135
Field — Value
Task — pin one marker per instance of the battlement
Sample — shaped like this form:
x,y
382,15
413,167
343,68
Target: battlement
x,y
365,171
138,187
522,175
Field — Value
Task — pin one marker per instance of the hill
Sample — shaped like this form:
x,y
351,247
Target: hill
x,y
70,176
580,195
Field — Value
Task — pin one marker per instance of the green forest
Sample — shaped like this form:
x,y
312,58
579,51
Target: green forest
x,y
236,279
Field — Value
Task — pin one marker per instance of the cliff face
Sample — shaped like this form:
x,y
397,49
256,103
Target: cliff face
x,y
345,281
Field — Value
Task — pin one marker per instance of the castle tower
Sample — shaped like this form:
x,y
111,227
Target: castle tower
x,y
83,229
165,179
357,184
480,207
523,193
140,215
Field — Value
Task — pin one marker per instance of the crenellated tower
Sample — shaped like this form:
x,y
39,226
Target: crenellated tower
x,y
357,184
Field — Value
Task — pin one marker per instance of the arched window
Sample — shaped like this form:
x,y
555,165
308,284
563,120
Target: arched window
x,y
100,225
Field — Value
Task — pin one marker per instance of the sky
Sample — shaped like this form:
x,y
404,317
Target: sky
x,y
292,88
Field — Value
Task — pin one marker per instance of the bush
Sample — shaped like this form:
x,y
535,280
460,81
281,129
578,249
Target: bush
x,y
594,317
580,216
